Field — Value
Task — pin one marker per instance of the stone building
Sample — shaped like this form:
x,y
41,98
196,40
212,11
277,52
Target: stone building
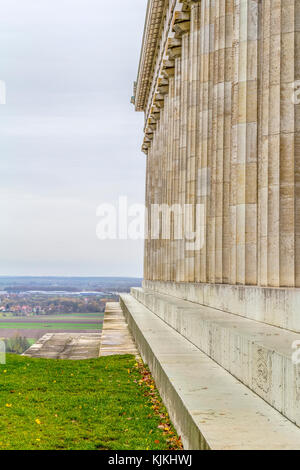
x,y
218,83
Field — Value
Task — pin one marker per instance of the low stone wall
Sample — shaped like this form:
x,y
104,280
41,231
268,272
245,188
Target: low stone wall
x,y
274,306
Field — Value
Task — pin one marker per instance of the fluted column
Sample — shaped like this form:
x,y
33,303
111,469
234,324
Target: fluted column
x,y
297,147
263,147
178,182
228,44
211,163
204,170
172,176
234,141
168,260
192,136
183,138
288,150
219,142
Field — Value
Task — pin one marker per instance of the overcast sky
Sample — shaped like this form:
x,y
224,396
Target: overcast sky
x,y
69,138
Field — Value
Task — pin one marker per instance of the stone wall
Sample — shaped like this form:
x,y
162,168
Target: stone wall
x,y
222,132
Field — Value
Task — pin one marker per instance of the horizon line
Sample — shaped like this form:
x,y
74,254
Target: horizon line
x,y
67,275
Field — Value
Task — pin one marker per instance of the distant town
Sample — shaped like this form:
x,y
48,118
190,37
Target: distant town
x,y
29,296
43,304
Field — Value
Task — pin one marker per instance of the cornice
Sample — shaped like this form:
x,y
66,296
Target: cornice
x,y
153,77
152,32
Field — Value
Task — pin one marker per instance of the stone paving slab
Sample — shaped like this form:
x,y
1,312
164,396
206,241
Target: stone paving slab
x,y
116,338
73,346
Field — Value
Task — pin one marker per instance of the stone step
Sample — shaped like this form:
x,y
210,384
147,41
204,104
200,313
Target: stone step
x,y
274,306
257,354
209,407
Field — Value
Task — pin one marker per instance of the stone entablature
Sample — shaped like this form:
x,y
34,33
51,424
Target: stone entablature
x,y
165,23
222,130
153,23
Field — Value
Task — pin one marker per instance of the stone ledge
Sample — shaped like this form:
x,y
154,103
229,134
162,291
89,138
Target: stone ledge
x,y
116,338
274,306
208,406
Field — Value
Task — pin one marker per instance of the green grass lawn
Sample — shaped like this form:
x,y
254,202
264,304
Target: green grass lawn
x,y
106,403
50,326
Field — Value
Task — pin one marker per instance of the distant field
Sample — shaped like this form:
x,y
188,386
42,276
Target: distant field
x,y
70,316
82,315
59,321
50,326
37,326
64,316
